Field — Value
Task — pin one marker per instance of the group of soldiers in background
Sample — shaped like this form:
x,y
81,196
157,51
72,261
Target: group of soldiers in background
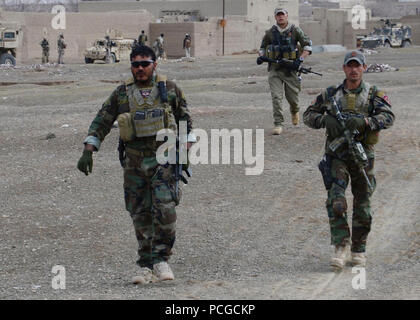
x,y
158,47
61,46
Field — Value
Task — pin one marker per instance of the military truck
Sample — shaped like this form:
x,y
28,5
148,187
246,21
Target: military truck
x,y
120,50
8,44
391,35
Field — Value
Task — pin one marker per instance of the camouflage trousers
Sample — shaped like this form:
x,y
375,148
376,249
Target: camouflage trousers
x,y
149,192
45,55
283,83
60,56
336,204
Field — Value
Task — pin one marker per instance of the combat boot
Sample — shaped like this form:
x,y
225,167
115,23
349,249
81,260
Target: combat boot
x,y
295,118
145,276
340,256
163,271
277,130
358,259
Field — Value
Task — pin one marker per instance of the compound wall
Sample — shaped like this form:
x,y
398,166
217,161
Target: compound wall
x,y
81,30
240,36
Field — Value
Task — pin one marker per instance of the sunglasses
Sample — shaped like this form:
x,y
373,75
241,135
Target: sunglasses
x,y
142,63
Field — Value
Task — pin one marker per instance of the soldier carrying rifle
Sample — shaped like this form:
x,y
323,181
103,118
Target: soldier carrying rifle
x,y
353,114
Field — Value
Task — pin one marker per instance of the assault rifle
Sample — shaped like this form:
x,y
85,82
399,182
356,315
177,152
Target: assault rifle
x,y
178,171
355,148
288,64
121,152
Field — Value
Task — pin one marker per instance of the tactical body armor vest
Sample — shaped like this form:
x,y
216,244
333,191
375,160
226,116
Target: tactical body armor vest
x,y
357,104
283,46
147,115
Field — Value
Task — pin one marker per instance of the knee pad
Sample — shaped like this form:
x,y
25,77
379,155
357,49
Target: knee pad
x,y
339,206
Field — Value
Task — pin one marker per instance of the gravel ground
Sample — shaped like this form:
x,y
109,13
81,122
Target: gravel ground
x,y
238,236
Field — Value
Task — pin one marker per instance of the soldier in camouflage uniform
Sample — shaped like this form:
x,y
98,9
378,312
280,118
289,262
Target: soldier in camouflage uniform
x,y
108,45
149,187
368,110
61,46
142,38
187,45
281,41
45,50
159,47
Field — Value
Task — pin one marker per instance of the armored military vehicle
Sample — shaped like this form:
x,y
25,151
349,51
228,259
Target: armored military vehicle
x,y
120,50
393,35
8,45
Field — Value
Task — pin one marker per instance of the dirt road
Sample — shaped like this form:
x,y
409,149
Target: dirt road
x,y
238,236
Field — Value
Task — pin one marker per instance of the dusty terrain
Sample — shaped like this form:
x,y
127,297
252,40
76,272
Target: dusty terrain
x,y
238,236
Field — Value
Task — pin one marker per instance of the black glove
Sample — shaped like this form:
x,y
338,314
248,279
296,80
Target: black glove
x,y
334,128
296,64
356,123
260,60
85,162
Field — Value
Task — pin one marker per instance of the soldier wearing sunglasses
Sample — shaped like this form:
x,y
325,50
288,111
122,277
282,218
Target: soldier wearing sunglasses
x,y
142,106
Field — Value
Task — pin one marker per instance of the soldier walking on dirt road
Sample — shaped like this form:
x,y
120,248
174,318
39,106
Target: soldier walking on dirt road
x,y
353,114
281,42
143,106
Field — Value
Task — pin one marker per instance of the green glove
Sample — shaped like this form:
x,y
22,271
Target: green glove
x,y
334,128
85,162
356,123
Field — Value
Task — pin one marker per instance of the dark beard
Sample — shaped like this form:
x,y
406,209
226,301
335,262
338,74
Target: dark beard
x,y
143,83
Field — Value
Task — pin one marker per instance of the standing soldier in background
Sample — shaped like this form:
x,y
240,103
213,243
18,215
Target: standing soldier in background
x,y
108,45
143,106
281,42
187,45
142,38
45,50
61,46
161,47
365,111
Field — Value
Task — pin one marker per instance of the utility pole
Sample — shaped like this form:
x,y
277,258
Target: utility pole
x,y
223,26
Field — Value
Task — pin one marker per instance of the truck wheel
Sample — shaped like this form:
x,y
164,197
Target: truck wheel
x,y
7,59
406,44
387,44
89,60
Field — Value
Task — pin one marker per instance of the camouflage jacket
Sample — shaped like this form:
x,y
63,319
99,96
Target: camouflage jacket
x,y
61,45
377,110
118,103
45,45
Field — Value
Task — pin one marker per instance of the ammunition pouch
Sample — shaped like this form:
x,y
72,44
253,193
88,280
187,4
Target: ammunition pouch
x,y
148,122
325,167
126,127
278,52
142,123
